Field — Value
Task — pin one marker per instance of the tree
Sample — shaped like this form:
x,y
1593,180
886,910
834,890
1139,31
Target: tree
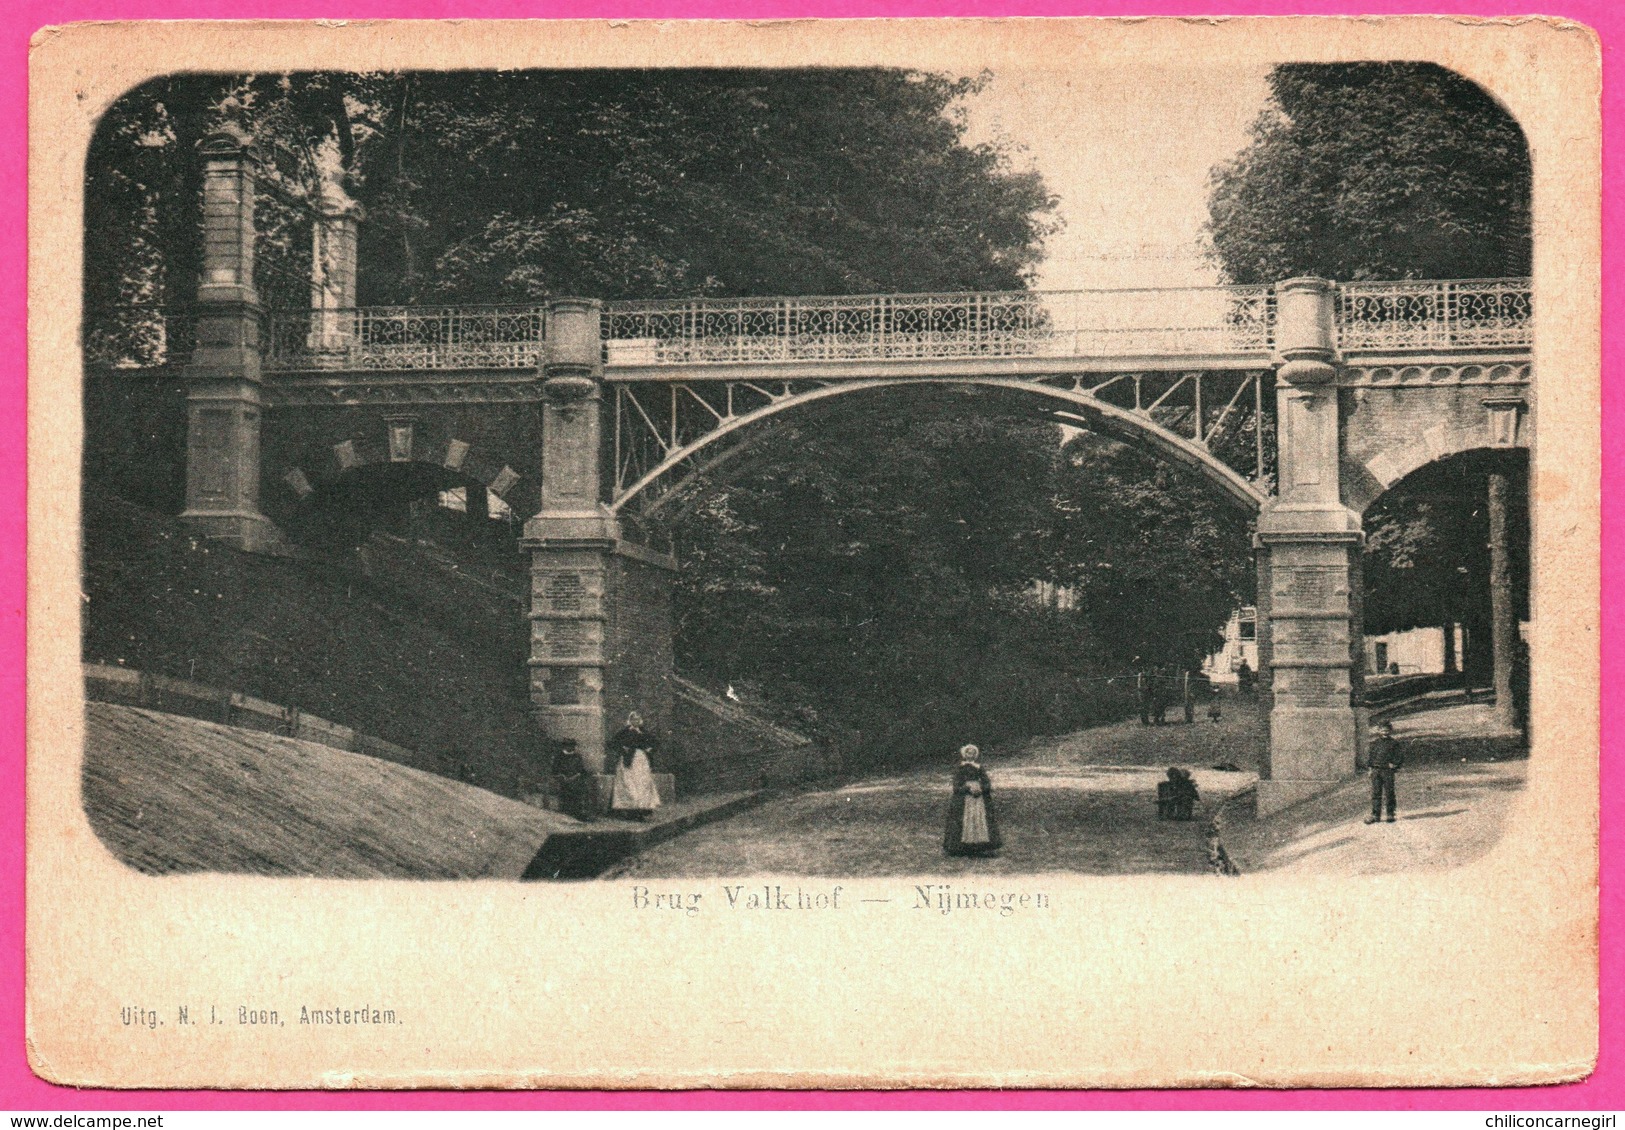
x,y
1374,171
1388,171
626,184
876,563
1156,559
143,238
514,186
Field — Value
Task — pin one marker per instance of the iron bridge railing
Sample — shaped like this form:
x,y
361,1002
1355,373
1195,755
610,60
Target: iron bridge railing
x,y
1179,323
1076,323
1452,314
407,337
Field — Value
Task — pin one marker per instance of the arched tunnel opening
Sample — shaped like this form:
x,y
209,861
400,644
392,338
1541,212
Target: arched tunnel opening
x,y
404,499
1447,555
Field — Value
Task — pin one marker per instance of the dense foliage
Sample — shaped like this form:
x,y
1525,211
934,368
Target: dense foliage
x,y
517,185
878,564
1374,171
1156,557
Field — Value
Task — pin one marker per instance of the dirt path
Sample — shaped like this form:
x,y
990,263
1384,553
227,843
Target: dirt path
x,y
1460,784
1082,803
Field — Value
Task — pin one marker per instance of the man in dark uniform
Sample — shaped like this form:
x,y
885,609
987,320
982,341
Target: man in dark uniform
x,y
1160,688
1385,761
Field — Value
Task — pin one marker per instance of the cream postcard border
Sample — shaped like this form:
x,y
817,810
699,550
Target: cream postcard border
x,y
1483,975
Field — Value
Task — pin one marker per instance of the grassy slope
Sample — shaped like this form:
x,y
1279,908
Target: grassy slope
x,y
428,663
166,794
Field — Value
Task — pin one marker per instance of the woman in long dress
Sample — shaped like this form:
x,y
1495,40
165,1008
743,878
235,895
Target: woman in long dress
x,y
634,795
972,827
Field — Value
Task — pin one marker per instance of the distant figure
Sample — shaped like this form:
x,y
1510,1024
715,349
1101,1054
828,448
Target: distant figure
x,y
1159,697
1393,668
1213,710
1385,762
634,796
1245,678
1142,688
1177,796
972,828
1186,798
1218,860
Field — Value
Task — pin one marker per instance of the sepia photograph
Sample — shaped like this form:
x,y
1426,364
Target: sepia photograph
x,y
829,484
687,472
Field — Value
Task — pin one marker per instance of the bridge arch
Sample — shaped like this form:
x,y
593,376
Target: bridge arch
x,y
1075,406
306,463
1479,539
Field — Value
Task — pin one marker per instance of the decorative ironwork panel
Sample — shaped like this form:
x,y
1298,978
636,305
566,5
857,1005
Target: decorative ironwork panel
x,y
1449,314
941,326
408,337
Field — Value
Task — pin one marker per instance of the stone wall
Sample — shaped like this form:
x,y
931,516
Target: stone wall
x,y
638,644
1390,431
126,687
722,747
307,447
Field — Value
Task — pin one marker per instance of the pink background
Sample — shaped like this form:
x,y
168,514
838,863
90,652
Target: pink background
x,y
20,1090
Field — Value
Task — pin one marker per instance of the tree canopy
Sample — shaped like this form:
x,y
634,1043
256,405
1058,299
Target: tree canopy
x,y
1156,559
512,186
1374,171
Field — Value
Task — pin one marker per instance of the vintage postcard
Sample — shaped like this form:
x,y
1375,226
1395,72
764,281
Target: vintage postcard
x,y
963,553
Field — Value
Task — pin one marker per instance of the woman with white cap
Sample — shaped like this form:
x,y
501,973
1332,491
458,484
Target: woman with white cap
x,y
972,828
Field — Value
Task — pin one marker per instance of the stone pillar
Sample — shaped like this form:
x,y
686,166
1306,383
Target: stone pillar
x,y
1311,539
1261,644
333,278
600,614
1503,617
1362,712
223,378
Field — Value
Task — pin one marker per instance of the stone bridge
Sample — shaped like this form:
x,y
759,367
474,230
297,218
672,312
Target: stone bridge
x,y
1302,402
